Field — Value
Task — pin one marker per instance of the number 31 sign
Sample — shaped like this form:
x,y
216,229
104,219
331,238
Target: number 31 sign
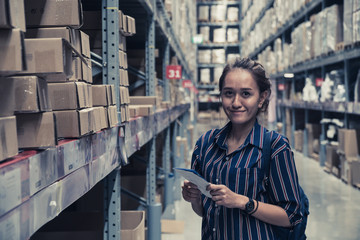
x,y
173,72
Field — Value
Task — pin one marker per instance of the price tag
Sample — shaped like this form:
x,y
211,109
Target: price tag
x,y
173,72
281,87
187,84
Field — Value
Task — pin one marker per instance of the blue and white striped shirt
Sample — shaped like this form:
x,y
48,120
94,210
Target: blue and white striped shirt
x,y
243,172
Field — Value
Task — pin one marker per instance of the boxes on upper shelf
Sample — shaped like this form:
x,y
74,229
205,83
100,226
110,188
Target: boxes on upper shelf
x,y
112,116
8,140
74,123
71,95
53,13
12,51
36,130
7,95
12,14
31,94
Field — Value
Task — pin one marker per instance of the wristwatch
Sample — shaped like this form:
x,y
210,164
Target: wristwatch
x,y
249,206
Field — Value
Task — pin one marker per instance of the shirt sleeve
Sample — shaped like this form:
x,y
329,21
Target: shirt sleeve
x,y
284,184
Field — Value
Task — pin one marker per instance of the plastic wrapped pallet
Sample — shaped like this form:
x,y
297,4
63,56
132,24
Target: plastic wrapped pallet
x,y
334,30
218,56
219,35
203,13
218,13
317,32
233,14
205,32
204,56
348,22
205,75
232,35
217,74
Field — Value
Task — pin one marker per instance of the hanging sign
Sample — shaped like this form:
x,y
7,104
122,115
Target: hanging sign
x,y
281,87
187,84
173,72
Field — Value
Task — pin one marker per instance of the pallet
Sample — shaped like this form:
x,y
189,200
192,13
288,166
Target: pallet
x,y
352,45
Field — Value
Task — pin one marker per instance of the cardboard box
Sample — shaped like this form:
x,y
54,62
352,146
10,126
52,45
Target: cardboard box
x,y
299,140
111,94
132,225
99,118
112,114
355,173
74,123
134,111
143,100
7,97
70,95
8,140
46,56
349,140
332,158
12,51
99,95
31,94
345,169
12,14
36,130
53,13
141,110
313,131
172,226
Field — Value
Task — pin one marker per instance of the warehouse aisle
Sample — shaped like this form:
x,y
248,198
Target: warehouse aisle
x,y
334,205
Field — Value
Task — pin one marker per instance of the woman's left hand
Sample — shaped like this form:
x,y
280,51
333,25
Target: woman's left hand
x,y
223,196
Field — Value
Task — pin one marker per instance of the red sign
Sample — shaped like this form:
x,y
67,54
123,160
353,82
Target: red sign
x,y
173,72
318,82
187,84
281,87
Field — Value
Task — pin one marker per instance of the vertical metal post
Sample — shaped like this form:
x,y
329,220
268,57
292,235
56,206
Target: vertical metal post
x,y
305,144
112,206
110,49
322,136
166,57
111,75
153,208
346,82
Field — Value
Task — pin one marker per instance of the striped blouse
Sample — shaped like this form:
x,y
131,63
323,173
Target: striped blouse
x,y
242,171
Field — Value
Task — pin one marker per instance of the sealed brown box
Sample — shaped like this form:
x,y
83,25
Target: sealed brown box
x,y
313,132
143,100
8,140
145,110
355,173
70,95
134,111
299,140
134,226
112,116
12,51
31,94
12,14
45,56
99,95
74,123
99,118
7,95
111,94
172,226
349,142
53,13
36,130
332,158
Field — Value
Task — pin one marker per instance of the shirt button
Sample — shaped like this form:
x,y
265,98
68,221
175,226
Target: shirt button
x,y
217,180
227,158
216,205
214,229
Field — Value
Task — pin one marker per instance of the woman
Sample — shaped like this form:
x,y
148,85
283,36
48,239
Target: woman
x,y
243,205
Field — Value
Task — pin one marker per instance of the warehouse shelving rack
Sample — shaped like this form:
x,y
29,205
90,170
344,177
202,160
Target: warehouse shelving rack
x,y
230,47
308,112
78,165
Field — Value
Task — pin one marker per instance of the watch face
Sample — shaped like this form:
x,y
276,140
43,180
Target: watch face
x,y
249,207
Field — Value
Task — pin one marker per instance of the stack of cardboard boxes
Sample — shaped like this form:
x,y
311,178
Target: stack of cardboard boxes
x,y
93,27
46,82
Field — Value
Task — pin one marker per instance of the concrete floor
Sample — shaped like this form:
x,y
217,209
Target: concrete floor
x,y
334,205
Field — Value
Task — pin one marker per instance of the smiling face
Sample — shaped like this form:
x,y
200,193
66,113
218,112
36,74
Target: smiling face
x,y
241,98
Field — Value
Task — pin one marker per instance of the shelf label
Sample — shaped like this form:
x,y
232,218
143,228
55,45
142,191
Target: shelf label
x,y
318,82
281,87
173,72
187,84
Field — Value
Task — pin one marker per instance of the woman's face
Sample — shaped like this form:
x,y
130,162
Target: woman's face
x,y
241,96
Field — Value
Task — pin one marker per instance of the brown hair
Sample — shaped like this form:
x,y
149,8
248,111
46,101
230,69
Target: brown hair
x,y
256,70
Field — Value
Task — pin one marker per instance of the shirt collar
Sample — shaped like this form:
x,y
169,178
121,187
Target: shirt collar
x,y
255,136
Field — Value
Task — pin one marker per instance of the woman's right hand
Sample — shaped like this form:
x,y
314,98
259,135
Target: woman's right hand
x,y
190,192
